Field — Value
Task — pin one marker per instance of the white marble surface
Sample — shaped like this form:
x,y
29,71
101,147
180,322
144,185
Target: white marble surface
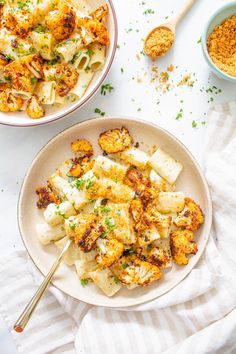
x,y
18,146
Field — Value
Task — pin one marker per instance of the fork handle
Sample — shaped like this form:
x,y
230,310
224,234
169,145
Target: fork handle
x,y
29,309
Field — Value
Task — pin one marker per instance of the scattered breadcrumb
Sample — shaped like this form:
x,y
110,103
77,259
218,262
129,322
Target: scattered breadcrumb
x,y
186,80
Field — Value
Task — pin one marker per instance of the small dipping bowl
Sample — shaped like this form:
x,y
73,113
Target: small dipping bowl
x,y
216,19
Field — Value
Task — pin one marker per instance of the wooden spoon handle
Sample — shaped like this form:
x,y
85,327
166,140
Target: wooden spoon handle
x,y
186,7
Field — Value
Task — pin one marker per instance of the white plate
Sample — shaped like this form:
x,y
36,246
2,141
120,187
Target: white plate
x,y
53,113
191,182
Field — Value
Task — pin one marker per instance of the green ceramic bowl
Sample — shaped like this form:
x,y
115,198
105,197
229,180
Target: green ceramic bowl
x,y
216,19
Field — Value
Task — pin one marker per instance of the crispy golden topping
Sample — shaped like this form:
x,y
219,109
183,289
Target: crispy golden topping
x,y
221,46
115,140
34,108
182,244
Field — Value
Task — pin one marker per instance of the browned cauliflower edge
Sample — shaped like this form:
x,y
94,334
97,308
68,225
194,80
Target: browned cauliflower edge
x,y
61,22
82,148
115,140
45,197
66,77
182,244
10,103
191,217
34,108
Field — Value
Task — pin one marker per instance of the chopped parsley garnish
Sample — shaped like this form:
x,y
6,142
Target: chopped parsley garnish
x,y
122,70
79,183
98,111
104,234
110,223
34,80
23,5
132,250
179,115
106,88
194,124
200,40
39,29
116,280
124,265
59,76
53,61
84,282
90,183
103,208
72,226
89,52
148,12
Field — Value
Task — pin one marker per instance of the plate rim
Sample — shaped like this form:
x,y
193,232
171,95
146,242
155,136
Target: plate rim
x,y
123,120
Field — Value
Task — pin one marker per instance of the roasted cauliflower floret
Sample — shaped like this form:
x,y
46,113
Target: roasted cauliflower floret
x,y
109,252
131,270
160,255
161,221
141,185
34,108
138,214
115,140
3,61
93,30
21,72
181,243
10,103
82,148
66,78
18,22
100,13
84,229
76,170
191,217
45,197
61,22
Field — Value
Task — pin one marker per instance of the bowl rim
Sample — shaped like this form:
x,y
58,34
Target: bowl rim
x,y
215,68
124,119
38,122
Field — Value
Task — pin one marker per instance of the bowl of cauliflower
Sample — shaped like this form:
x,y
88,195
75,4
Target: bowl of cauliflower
x,y
133,200
53,57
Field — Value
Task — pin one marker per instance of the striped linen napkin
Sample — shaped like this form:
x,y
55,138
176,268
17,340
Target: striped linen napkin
x,y
197,316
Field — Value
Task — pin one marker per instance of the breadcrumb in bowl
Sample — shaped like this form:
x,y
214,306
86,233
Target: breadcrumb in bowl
x,y
221,63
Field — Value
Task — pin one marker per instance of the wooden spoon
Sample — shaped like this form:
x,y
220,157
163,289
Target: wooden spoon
x,y
154,46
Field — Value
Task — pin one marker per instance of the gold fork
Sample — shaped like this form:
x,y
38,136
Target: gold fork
x,y
29,309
